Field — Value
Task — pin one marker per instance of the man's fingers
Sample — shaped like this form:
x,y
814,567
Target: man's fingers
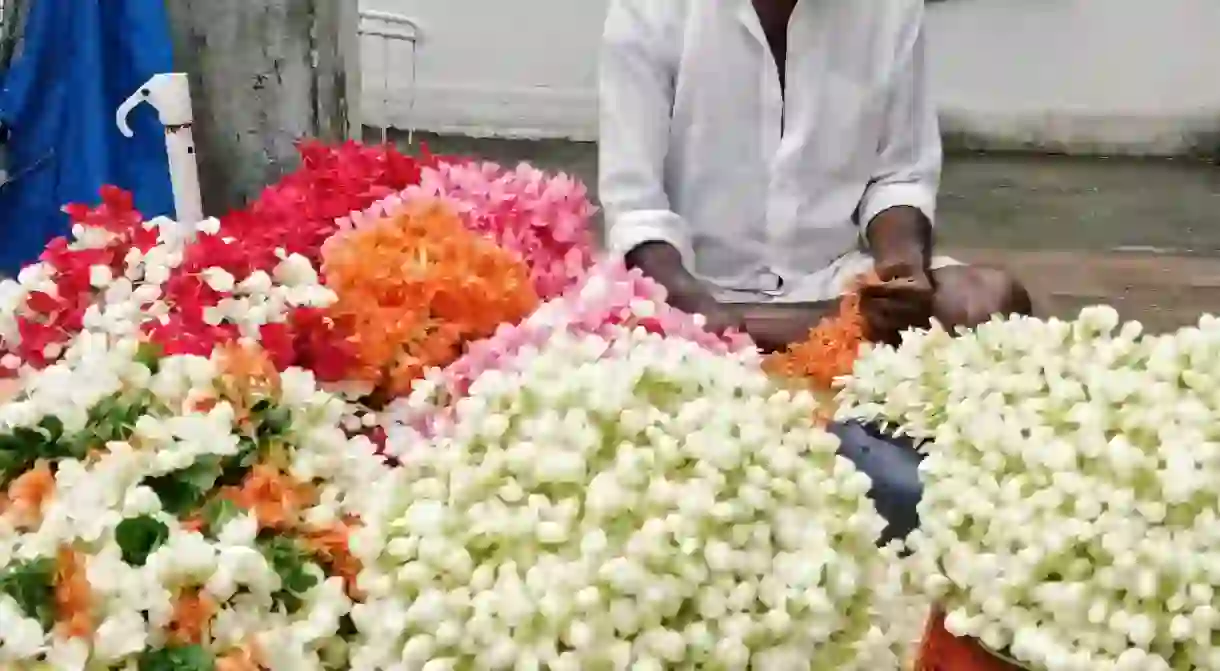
x,y
888,313
904,289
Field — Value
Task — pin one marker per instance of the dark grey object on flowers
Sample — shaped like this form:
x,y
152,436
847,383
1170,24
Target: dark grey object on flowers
x,y
893,465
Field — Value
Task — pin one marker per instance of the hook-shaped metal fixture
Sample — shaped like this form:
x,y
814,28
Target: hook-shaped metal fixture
x,y
170,95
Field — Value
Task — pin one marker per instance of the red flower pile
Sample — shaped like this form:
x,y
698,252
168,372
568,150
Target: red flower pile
x,y
294,217
54,311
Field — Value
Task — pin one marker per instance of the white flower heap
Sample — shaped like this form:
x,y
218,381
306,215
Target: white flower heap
x,y
1071,516
625,500
174,513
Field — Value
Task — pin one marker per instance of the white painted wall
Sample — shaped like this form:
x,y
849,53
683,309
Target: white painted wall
x,y
1139,76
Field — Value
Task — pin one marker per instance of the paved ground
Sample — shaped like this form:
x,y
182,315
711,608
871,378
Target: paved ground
x,y
1143,235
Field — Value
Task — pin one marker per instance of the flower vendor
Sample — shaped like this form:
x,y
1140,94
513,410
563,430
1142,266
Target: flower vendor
x,y
768,153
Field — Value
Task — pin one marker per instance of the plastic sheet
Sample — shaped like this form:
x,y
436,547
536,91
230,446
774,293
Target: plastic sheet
x,y
78,62
893,465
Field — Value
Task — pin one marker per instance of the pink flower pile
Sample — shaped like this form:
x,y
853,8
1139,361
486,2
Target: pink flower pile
x,y
544,218
610,297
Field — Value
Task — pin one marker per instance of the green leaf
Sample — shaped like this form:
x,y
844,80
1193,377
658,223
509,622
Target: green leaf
x,y
32,585
217,513
289,560
184,491
177,658
20,449
138,537
272,421
114,419
150,354
233,469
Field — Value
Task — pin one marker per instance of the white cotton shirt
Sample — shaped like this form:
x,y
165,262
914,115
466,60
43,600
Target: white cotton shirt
x,y
760,189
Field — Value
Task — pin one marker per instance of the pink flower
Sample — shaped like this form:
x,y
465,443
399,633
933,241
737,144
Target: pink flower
x,y
543,218
610,296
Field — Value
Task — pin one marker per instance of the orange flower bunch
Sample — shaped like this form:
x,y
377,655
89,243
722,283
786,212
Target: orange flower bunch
x,y
831,349
246,372
330,545
193,611
277,501
416,287
275,498
245,658
27,495
73,597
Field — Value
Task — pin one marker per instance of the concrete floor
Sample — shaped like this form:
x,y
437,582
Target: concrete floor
x,y
1141,234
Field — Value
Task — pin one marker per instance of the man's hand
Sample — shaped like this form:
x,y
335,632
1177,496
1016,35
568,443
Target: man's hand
x,y
697,301
663,263
775,327
900,239
904,300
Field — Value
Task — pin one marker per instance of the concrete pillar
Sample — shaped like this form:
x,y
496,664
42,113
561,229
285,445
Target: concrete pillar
x,y
12,21
264,74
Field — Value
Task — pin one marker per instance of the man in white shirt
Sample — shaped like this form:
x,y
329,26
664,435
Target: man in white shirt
x,y
757,156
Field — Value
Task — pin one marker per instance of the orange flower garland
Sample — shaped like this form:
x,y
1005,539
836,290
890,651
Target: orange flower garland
x,y
830,350
416,287
193,612
331,546
73,597
274,497
28,494
245,658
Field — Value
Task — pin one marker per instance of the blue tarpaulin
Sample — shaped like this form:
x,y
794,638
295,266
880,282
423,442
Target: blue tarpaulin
x,y
80,60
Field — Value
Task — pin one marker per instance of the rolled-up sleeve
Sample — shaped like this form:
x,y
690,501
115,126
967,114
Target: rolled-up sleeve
x,y
910,156
636,98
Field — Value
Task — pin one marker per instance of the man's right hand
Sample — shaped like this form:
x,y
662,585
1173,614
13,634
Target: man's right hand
x,y
720,317
663,263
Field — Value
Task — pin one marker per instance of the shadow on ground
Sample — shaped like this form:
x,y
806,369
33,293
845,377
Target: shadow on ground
x,y
1141,234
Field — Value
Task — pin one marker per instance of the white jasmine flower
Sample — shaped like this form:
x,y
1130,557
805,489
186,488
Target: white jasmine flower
x,y
100,276
636,488
1068,515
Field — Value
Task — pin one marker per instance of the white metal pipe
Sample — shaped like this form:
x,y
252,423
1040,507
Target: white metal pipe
x,y
390,17
170,95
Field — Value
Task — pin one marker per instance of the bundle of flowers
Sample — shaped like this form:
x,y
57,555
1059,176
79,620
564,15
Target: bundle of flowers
x,y
48,303
1069,511
301,211
122,276
609,299
253,274
175,512
278,239
542,218
624,499
183,292
828,353
414,288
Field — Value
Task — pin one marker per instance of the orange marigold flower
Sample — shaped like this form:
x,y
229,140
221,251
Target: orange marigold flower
x,y
28,494
418,286
275,498
246,373
831,349
193,611
245,658
330,545
73,600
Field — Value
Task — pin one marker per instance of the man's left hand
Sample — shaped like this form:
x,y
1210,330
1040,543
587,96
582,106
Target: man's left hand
x,y
900,239
904,299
